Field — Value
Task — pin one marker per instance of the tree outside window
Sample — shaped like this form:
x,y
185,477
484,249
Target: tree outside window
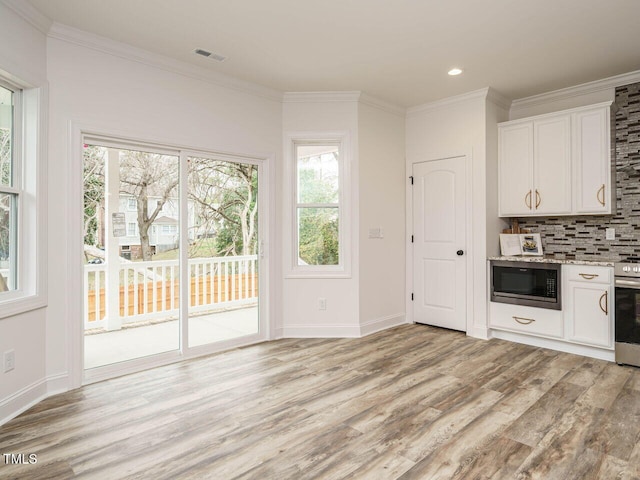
x,y
9,193
318,204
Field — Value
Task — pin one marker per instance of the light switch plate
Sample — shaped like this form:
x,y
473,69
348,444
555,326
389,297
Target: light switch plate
x,y
610,233
9,360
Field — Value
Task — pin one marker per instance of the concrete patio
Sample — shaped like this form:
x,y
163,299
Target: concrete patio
x,y
139,341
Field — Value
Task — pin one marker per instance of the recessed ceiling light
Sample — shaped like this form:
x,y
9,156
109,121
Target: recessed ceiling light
x,y
208,54
455,71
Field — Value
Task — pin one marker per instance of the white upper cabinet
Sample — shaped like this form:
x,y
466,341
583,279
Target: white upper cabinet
x,y
516,175
556,164
592,144
552,166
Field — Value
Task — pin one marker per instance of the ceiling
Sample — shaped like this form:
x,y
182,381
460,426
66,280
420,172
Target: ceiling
x,y
395,50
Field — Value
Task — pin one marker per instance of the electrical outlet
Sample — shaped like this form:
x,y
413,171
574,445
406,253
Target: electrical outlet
x,y
610,234
322,303
9,360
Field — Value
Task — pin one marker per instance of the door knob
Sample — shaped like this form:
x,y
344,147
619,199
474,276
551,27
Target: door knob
x,y
460,252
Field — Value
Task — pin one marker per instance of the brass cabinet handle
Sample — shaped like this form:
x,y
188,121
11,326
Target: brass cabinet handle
x,y
600,190
605,297
528,202
524,321
538,199
588,276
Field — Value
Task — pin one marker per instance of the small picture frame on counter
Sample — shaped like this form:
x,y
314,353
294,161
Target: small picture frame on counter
x,y
531,244
520,244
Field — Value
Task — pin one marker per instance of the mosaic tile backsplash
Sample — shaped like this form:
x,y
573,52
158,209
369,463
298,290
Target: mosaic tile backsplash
x,y
584,236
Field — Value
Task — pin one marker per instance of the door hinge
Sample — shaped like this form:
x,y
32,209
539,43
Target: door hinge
x,y
411,238
412,297
411,178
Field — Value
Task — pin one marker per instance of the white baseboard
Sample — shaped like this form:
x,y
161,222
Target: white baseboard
x,y
57,383
22,400
566,347
382,323
324,331
27,397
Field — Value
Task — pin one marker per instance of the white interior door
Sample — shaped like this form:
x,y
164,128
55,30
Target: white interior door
x,y
439,246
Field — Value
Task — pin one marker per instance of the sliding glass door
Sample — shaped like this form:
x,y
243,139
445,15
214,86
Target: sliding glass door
x,y
170,253
223,248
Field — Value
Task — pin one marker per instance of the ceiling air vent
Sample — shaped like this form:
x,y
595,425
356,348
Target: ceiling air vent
x,y
206,53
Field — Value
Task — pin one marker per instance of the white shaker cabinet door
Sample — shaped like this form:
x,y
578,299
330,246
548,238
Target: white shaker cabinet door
x,y
552,166
589,310
591,133
516,170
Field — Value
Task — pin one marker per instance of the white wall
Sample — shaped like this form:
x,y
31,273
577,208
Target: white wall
x,y
117,94
23,59
381,205
301,316
494,115
448,128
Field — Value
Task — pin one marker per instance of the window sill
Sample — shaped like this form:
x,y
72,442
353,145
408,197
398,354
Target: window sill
x,y
318,275
20,305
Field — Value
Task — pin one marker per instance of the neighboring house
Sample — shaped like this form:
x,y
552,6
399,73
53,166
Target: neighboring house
x,y
163,234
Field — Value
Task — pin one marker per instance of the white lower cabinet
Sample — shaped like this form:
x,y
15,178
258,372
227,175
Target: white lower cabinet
x,y
586,317
530,320
587,305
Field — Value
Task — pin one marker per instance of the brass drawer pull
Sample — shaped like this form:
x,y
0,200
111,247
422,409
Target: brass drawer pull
x,y
527,200
588,276
600,190
524,321
538,199
605,297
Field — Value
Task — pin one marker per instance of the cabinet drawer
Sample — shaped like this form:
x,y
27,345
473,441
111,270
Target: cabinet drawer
x,y
586,273
530,320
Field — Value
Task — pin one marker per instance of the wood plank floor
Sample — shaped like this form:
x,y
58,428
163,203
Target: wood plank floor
x,y
413,402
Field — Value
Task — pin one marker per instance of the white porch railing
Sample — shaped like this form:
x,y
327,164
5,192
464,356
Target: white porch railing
x,y
151,290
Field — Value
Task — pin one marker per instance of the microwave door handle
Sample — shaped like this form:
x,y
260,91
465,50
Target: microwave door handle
x,y
628,283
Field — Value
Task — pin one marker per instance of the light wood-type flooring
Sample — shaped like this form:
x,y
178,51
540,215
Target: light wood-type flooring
x,y
412,402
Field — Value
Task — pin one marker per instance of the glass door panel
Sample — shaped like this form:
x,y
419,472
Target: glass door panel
x,y
131,254
223,248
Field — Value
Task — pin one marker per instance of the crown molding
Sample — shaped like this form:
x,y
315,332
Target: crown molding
x,y
465,97
498,99
582,89
321,97
371,101
138,55
28,13
348,96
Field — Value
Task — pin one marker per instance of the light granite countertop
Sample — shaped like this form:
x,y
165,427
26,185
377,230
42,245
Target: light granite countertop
x,y
602,262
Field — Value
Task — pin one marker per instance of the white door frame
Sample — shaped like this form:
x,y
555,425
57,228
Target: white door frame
x,y
75,327
469,252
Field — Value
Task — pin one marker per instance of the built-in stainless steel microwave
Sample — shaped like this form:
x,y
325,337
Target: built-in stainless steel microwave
x,y
526,283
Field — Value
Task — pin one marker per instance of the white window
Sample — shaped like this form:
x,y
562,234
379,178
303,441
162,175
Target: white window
x,y
319,214
131,229
132,204
169,229
22,243
10,188
318,204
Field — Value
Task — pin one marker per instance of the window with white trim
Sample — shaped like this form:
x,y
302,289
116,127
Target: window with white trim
x,y
317,204
131,229
10,188
22,198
